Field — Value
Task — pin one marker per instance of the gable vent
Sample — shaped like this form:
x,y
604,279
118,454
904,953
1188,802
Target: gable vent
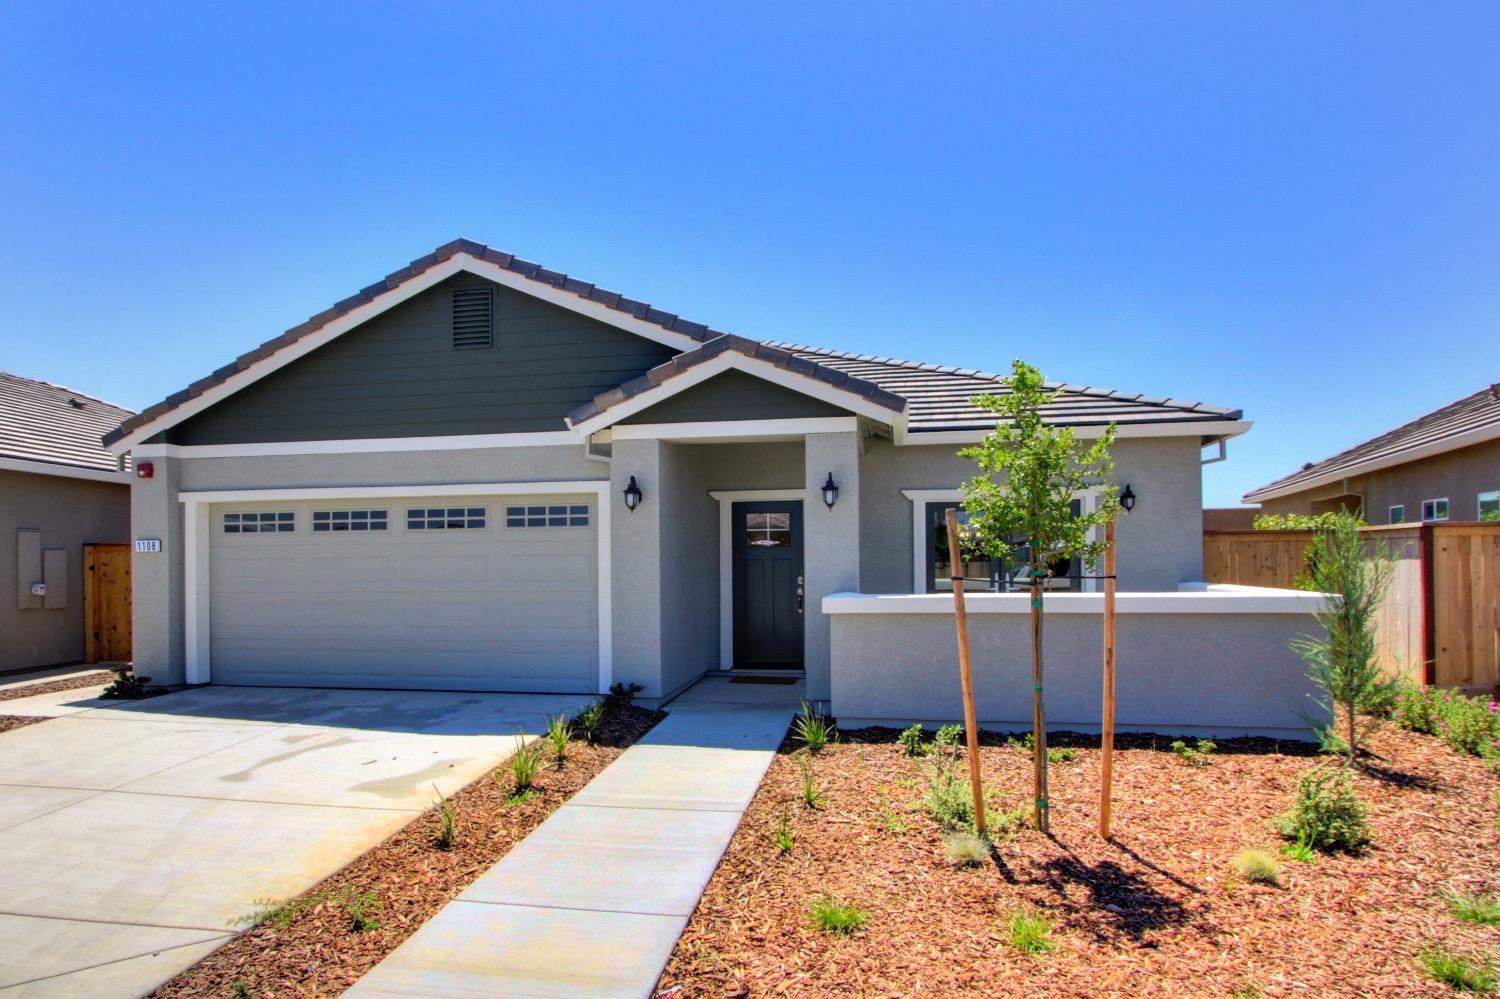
x,y
472,327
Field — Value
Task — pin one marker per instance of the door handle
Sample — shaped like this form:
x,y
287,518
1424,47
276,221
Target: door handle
x,y
799,594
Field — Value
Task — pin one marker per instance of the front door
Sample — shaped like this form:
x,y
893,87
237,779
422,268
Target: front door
x,y
768,590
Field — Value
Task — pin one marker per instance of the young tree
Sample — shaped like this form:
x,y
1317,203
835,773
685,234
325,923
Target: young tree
x,y
1342,660
1020,506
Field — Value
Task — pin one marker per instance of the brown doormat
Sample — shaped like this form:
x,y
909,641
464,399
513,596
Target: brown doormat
x,y
782,680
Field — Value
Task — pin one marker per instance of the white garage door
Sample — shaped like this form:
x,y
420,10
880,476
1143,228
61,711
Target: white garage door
x,y
473,593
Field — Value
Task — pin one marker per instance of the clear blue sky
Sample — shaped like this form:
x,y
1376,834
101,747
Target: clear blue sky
x,y
1293,208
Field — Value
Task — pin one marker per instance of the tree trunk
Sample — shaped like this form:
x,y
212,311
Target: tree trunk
x,y
1038,714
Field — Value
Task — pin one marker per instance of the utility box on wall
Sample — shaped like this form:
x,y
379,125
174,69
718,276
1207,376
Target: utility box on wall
x,y
41,574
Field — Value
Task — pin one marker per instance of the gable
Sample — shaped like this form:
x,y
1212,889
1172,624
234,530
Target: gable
x,y
398,375
735,395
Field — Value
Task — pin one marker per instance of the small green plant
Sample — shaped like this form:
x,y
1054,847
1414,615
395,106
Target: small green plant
x,y
1458,972
1062,754
911,741
964,849
127,687
1024,742
781,836
241,990
1195,755
833,915
946,739
812,795
559,731
813,730
1247,991
1259,866
890,821
950,803
276,914
621,695
1030,933
1300,852
1326,813
589,720
359,906
447,822
521,797
524,764
1474,907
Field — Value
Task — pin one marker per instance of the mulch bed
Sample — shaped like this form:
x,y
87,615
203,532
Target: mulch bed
x,y
51,686
1158,912
408,877
8,722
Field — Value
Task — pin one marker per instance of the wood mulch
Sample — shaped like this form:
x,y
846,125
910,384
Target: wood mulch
x,y
408,878
1158,912
92,679
8,722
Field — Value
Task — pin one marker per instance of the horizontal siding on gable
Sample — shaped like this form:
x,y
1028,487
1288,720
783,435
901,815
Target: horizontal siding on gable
x,y
735,395
398,376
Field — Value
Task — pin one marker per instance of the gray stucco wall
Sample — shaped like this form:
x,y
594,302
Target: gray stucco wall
x,y
831,542
1160,542
398,376
1205,674
735,395
70,513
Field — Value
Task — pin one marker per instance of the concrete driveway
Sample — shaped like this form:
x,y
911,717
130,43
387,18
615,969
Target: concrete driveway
x,y
133,835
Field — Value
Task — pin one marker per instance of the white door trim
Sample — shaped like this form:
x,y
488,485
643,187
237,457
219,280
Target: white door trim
x,y
727,499
196,523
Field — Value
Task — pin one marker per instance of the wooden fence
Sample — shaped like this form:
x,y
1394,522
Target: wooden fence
x,y
1440,623
106,603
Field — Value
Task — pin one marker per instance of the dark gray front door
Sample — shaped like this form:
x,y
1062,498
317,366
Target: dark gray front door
x,y
768,596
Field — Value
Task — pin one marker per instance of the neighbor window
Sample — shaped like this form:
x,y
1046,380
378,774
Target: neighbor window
x,y
1489,506
1397,514
449,518
996,573
1435,509
259,523
348,520
551,515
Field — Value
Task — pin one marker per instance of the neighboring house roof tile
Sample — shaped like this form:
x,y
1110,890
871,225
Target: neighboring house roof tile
x,y
50,423
1455,425
938,396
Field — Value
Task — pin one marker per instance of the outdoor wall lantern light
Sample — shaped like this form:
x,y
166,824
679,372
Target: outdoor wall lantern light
x,y
1127,499
632,495
830,492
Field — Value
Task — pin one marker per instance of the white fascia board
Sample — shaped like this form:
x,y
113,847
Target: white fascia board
x,y
63,471
1249,600
1477,436
735,430
599,487
459,263
374,445
731,360
1187,428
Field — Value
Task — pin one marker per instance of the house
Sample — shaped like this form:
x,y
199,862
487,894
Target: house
x,y
1444,465
481,474
59,491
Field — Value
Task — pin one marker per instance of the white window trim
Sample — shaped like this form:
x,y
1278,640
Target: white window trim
x,y
196,532
1390,512
727,499
1435,501
1479,501
921,497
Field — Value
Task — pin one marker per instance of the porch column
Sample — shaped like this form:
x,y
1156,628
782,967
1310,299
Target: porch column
x,y
830,540
156,578
635,551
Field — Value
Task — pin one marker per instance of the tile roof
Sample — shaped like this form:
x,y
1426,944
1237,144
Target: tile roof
x,y
43,422
938,395
1448,426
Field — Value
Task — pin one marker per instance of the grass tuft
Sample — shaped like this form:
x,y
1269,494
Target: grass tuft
x,y
447,821
1259,866
812,795
1300,852
524,764
813,730
1030,933
1458,972
781,836
589,720
833,915
1474,908
964,849
559,731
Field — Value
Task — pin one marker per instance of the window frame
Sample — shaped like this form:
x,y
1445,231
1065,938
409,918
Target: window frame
x,y
1479,510
1391,513
424,514
331,520
568,512
1435,519
284,521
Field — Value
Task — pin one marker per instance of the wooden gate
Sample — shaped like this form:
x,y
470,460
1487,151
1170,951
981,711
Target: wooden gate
x,y
106,603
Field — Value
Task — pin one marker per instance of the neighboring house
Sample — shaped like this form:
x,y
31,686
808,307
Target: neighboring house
x,y
1441,466
59,490
481,474
1229,518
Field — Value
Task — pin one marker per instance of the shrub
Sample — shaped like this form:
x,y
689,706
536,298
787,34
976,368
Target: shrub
x,y
524,764
447,821
832,915
1024,742
1030,933
812,795
781,836
559,731
814,731
1467,724
911,741
1302,521
127,687
1259,866
946,739
949,800
965,849
1195,755
1458,972
1474,908
589,720
621,695
1326,813
1062,754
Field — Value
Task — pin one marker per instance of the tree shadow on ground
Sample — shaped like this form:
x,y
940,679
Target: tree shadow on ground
x,y
1121,903
1401,778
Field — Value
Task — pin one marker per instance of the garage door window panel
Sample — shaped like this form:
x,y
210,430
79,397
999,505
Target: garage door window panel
x,y
335,521
450,518
548,515
268,522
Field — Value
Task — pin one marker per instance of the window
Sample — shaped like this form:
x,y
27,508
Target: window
x,y
450,518
348,520
1489,505
552,515
1396,514
768,530
1002,577
259,523
1435,509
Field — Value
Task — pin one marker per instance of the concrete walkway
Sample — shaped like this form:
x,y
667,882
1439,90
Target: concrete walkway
x,y
593,901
